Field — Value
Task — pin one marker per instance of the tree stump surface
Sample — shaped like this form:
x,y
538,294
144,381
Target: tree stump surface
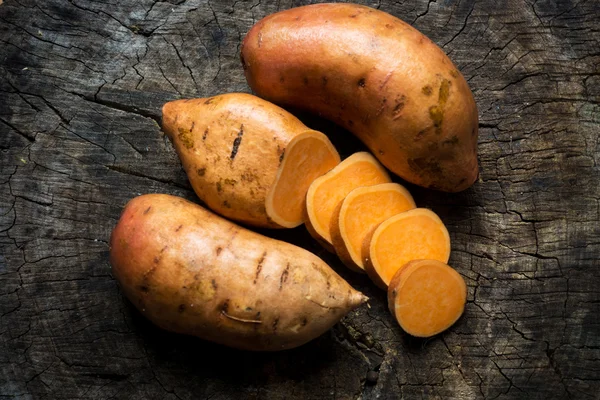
x,y
81,88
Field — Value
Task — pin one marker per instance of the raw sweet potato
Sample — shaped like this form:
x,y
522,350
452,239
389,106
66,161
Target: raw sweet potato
x,y
193,272
360,213
426,297
246,158
327,192
376,76
412,235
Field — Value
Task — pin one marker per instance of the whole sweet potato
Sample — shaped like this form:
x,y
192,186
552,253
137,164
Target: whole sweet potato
x,y
190,271
247,159
376,76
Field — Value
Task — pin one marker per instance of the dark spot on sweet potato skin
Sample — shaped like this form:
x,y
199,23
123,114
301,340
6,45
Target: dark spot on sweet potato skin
x,y
219,187
249,176
147,210
205,134
281,156
144,289
236,143
284,276
181,308
324,81
178,228
211,99
444,93
422,133
259,266
275,323
185,138
397,110
226,204
452,141
214,284
362,82
219,250
305,80
427,90
422,165
201,171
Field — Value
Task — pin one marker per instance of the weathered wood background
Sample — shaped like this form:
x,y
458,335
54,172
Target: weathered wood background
x,y
81,86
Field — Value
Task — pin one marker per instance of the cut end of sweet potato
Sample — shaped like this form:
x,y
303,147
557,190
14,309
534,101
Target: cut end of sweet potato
x,y
326,192
360,213
427,297
308,156
412,235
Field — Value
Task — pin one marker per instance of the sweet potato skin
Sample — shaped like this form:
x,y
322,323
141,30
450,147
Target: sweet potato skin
x,y
192,272
231,147
376,76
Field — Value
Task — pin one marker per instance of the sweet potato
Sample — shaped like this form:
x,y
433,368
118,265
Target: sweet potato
x,y
327,192
246,158
360,213
426,297
412,235
376,76
193,272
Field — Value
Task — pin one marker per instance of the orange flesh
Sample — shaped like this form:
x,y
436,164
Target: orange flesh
x,y
429,299
335,188
307,157
417,234
362,213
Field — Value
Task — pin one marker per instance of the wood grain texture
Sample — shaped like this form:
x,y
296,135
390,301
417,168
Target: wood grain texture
x,y
81,87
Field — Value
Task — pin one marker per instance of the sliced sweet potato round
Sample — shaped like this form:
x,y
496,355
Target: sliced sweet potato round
x,y
427,297
360,213
327,192
308,156
412,235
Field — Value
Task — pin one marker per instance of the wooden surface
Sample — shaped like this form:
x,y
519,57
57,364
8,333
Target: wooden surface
x,y
81,86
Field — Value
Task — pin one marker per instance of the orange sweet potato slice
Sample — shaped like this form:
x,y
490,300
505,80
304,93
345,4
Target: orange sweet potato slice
x,y
308,156
412,235
328,191
360,213
426,297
